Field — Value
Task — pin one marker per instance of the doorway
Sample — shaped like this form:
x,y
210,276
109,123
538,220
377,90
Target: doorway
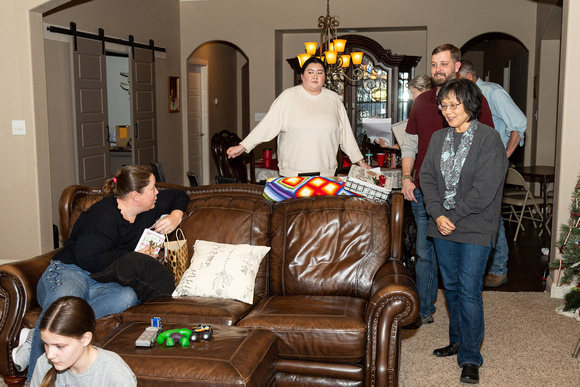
x,y
217,99
502,59
119,110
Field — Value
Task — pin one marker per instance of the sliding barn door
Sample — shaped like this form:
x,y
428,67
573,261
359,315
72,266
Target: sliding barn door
x,y
91,130
144,133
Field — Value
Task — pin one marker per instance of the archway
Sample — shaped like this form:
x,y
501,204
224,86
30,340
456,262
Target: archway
x,y
217,99
503,59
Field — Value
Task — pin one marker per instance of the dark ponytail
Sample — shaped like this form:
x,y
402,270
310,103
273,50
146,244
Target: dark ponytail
x,y
130,178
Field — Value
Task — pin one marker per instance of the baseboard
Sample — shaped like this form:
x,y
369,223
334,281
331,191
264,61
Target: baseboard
x,y
558,291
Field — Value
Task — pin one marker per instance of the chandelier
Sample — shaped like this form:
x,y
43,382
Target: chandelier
x,y
331,52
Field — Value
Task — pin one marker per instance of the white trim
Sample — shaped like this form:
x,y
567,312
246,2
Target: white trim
x,y
557,291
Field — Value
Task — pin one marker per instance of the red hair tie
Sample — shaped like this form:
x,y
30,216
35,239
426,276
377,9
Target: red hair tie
x,y
115,180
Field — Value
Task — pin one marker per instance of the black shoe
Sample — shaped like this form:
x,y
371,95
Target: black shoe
x,y
470,374
450,350
419,321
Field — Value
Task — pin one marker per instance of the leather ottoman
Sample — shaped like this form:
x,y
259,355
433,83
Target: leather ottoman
x,y
232,357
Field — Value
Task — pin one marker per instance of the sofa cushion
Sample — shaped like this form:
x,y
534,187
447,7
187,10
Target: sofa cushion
x,y
328,245
188,311
323,328
222,270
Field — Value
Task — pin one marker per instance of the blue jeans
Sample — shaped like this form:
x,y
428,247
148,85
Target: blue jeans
x,y
426,264
499,255
60,280
462,268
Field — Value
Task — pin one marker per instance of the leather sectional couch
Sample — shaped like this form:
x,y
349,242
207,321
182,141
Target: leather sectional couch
x,y
332,287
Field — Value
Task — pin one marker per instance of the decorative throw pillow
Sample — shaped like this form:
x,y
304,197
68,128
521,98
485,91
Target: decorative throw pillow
x,y
222,271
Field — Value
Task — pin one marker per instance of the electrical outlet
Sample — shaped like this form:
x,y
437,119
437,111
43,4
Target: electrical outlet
x,y
18,127
259,116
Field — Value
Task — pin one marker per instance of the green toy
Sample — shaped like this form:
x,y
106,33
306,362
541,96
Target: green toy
x,y
170,341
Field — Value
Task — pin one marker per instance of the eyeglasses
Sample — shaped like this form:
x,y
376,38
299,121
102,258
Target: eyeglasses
x,y
451,106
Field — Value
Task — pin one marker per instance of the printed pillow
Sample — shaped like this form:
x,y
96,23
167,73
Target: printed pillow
x,y
222,271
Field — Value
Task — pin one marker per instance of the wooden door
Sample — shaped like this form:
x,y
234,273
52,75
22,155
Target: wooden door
x,y
91,119
143,115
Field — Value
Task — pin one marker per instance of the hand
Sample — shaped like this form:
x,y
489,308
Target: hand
x,y
169,223
444,225
235,151
408,188
147,250
383,143
364,165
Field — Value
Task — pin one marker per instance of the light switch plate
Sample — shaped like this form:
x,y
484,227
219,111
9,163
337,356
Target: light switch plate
x,y
18,127
259,116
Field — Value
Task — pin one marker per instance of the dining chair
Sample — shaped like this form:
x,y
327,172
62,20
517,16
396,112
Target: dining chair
x,y
549,211
217,141
193,179
158,172
521,203
242,168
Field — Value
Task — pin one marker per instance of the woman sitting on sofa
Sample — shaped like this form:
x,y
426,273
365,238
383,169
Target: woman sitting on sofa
x,y
103,238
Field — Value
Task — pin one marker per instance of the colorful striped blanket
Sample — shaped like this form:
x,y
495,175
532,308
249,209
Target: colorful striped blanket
x,y
295,187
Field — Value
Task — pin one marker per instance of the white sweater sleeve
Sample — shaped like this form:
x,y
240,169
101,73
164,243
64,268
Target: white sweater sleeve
x,y
269,127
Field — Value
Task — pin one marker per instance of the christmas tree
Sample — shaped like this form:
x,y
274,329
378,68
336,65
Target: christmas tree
x,y
569,246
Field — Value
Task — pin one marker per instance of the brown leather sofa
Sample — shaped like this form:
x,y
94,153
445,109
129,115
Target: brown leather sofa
x,y
332,288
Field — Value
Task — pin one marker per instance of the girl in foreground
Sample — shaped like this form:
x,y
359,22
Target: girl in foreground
x,y
67,329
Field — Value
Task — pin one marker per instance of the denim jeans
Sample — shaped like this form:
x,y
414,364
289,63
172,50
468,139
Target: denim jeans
x,y
499,255
60,280
462,268
426,264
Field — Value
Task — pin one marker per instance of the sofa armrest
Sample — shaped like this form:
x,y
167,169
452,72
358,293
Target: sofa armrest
x,y
18,281
397,227
393,303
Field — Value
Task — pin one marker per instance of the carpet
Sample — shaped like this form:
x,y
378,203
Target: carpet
x,y
526,343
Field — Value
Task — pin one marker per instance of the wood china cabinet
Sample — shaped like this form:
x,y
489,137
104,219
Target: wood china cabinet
x,y
384,94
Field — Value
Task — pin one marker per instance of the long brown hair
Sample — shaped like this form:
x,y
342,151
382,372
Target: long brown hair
x,y
68,316
128,179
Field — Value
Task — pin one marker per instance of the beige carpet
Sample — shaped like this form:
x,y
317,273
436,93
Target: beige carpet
x,y
526,343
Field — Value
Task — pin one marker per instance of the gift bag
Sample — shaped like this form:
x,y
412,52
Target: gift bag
x,y
177,255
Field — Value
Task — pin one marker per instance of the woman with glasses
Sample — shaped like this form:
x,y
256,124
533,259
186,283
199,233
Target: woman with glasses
x,y
462,181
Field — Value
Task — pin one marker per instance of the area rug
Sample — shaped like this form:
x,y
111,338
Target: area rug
x,y
527,343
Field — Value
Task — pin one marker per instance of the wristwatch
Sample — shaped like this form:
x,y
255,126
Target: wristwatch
x,y
406,177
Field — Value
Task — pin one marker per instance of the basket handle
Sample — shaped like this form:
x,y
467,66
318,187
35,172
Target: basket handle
x,y
183,240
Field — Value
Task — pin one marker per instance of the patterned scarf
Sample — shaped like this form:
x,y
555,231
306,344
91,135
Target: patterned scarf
x,y
452,163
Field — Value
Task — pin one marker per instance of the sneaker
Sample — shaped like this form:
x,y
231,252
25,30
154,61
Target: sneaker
x,y
493,280
21,354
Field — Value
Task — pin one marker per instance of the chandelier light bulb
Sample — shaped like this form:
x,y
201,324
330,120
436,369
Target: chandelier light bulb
x,y
303,58
345,60
331,57
311,47
339,45
356,57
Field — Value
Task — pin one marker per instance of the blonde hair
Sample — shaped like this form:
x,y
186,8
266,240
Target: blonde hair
x,y
422,83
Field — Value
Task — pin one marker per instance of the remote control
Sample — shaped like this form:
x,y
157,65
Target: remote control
x,y
148,337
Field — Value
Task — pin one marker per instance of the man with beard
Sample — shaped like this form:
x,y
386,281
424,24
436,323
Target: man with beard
x,y
425,119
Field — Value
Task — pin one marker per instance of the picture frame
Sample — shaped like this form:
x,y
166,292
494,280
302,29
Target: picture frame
x,y
173,95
